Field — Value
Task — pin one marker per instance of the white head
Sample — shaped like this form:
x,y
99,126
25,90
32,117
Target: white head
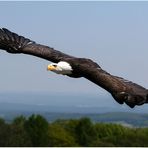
x,y
60,68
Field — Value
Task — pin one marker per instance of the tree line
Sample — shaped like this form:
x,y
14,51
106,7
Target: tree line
x,y
37,131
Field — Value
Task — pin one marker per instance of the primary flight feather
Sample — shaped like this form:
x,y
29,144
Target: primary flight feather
x,y
122,90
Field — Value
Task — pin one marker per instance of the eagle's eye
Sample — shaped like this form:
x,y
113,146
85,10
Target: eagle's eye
x,y
54,65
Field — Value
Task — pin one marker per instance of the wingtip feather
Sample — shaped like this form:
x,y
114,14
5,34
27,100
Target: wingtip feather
x,y
12,42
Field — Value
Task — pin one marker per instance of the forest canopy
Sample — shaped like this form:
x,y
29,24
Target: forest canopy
x,y
37,131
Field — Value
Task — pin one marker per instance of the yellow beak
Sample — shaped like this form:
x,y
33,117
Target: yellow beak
x,y
50,67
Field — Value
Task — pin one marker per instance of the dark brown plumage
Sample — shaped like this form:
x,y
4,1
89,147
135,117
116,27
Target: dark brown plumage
x,y
122,90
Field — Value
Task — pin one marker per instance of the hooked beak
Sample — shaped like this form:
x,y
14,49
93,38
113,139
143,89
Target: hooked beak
x,y
50,67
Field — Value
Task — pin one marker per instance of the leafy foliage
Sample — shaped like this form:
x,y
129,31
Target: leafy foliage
x,y
37,128
36,131
60,137
86,132
18,134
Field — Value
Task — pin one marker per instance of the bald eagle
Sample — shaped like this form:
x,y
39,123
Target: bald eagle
x,y
123,91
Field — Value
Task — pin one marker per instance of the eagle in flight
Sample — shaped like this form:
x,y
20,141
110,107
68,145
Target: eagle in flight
x,y
123,91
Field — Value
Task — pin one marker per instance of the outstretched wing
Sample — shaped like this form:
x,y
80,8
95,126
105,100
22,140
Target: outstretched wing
x,y
13,43
121,89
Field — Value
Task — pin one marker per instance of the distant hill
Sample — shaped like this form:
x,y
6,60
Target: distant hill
x,y
53,108
127,119
54,113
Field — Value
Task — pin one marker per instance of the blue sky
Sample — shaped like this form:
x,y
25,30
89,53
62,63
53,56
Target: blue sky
x,y
114,34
